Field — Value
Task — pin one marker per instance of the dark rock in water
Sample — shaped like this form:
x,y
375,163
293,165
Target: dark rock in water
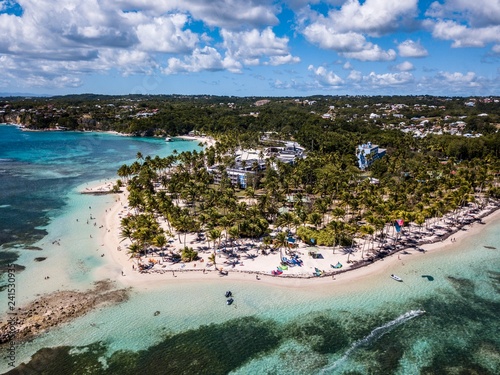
x,y
40,259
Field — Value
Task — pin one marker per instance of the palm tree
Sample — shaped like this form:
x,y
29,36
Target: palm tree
x,y
250,194
281,240
126,232
214,235
160,241
315,219
366,230
212,258
233,233
184,223
134,250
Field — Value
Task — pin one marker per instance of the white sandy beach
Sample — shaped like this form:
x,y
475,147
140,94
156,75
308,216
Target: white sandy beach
x,y
207,141
125,270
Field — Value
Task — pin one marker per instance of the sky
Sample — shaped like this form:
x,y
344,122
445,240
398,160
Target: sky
x,y
250,47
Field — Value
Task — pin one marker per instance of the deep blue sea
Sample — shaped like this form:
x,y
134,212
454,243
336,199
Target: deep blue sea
x,y
443,319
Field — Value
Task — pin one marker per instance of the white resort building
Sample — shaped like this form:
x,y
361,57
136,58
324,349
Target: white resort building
x,y
367,154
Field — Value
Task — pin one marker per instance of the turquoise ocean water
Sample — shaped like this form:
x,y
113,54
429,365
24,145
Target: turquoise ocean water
x,y
376,326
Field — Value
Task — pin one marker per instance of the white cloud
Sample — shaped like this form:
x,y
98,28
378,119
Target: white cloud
x,y
468,79
228,14
253,46
372,52
477,13
410,48
347,65
206,58
466,23
133,35
405,66
464,36
374,17
328,38
355,75
374,83
351,45
344,30
166,34
282,60
459,83
325,77
388,79
232,14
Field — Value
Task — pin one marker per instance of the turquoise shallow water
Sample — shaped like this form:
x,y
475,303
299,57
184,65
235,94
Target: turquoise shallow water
x,y
39,169
372,327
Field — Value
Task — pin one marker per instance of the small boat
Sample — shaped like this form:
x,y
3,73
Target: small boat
x,y
229,301
397,278
168,139
229,294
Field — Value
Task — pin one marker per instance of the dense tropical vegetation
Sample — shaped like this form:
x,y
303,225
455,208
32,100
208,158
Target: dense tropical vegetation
x,y
324,199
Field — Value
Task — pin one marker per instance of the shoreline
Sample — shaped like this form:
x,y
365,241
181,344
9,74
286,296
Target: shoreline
x,y
206,141
258,269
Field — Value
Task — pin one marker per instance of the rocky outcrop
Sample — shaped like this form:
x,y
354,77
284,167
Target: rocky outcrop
x,y
51,310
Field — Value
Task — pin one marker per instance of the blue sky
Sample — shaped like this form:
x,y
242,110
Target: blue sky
x,y
250,47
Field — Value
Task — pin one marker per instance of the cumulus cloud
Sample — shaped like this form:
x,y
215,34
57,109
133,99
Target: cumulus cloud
x,y
347,65
206,58
469,79
355,75
281,60
344,30
477,13
463,36
228,14
459,83
372,52
134,36
351,45
374,17
166,34
441,83
466,23
251,46
57,43
410,48
388,79
405,66
325,77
